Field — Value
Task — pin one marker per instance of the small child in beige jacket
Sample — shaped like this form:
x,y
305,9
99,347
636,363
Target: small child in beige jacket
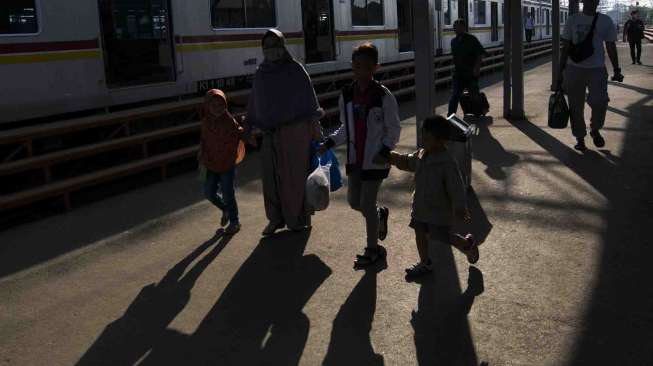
x,y
439,199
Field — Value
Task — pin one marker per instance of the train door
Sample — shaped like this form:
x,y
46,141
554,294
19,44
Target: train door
x,y
463,12
548,22
405,22
317,16
137,41
494,21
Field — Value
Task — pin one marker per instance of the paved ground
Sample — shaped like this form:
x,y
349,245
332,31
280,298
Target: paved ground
x,y
562,280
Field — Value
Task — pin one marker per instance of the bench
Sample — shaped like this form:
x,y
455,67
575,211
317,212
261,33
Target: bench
x,y
27,135
47,160
65,187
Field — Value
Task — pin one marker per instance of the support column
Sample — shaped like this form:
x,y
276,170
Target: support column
x,y
424,62
555,65
517,56
506,58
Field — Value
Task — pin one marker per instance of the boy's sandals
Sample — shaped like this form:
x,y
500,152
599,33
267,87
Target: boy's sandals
x,y
272,228
471,249
419,268
384,213
299,229
370,256
232,229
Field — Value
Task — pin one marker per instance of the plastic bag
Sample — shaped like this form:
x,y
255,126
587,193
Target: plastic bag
x,y
335,177
318,187
558,111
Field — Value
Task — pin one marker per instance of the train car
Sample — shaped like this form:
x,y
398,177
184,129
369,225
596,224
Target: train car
x,y
64,56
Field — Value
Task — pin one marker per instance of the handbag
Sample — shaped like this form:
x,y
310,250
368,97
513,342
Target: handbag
x,y
558,111
583,50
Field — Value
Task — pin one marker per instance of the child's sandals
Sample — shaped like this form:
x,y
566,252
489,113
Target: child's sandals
x,y
224,220
471,249
370,256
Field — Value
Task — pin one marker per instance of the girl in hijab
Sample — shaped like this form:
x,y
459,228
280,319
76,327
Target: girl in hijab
x,y
221,149
284,106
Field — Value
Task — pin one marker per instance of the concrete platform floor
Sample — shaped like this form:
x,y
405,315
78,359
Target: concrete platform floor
x,y
142,278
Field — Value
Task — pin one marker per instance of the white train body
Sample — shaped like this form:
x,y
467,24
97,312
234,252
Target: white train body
x,y
63,56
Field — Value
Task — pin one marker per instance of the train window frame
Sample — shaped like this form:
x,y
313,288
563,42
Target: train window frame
x,y
383,17
449,9
476,4
39,24
213,27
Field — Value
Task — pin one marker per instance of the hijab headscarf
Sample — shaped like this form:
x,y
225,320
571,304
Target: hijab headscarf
x,y
282,93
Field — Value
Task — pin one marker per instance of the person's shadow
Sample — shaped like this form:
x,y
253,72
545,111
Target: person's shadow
x,y
143,325
489,151
350,336
442,334
480,226
258,319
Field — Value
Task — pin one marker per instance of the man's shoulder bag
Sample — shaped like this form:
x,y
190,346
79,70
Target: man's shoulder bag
x,y
583,50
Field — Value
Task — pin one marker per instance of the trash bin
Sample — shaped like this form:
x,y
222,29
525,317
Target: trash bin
x,y
460,145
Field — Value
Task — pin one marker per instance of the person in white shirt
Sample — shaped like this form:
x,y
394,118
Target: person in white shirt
x,y
529,27
589,73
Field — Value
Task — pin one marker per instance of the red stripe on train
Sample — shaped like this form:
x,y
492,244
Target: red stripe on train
x,y
230,37
258,36
48,46
367,33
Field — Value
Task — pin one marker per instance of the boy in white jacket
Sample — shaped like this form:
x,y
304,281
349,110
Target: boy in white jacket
x,y
370,126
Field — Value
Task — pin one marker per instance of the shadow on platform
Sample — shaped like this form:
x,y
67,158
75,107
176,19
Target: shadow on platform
x,y
258,318
442,332
350,336
617,327
127,339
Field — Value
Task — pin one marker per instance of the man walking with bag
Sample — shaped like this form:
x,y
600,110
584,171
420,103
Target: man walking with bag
x,y
634,32
467,54
583,39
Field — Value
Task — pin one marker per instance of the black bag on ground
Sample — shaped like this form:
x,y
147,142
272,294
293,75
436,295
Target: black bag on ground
x,y
476,105
558,110
584,49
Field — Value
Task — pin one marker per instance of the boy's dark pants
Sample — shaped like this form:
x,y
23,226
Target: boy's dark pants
x,y
635,46
224,183
362,195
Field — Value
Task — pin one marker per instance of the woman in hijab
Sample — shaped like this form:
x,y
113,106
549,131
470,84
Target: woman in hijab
x,y
284,106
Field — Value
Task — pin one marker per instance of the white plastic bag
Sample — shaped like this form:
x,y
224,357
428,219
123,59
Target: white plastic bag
x,y
318,187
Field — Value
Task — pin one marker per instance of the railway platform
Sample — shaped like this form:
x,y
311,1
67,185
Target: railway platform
x,y
143,277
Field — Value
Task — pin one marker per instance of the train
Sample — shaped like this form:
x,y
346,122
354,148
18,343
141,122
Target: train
x,y
60,57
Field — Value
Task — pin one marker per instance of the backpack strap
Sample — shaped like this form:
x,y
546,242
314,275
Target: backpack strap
x,y
590,35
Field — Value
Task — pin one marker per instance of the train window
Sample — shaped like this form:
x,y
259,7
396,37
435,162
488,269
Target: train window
x,y
243,13
367,12
18,17
479,12
446,4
